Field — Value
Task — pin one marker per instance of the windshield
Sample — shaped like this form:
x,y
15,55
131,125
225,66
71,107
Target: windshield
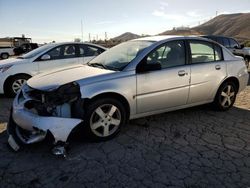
x,y
35,52
120,56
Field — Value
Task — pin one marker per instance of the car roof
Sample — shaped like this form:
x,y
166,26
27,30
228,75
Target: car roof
x,y
65,43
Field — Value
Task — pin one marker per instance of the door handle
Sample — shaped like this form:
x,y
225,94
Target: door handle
x,y
217,67
182,73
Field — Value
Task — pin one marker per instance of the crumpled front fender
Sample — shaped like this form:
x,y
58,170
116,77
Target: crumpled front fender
x,y
59,127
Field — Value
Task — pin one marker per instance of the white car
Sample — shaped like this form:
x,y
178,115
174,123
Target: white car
x,y
15,72
5,52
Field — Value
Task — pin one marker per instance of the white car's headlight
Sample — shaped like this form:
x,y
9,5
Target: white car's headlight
x,y
5,68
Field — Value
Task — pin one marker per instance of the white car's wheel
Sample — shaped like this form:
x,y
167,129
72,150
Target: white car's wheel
x,y
15,84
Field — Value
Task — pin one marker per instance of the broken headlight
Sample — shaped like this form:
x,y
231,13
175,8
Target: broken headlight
x,y
46,102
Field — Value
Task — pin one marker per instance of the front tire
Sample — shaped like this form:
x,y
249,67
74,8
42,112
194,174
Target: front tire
x,y
15,84
226,96
104,119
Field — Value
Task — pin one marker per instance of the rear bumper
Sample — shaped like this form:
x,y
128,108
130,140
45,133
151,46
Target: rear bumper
x,y
28,120
243,79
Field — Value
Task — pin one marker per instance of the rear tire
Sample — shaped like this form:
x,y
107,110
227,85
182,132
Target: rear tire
x,y
14,85
225,96
104,119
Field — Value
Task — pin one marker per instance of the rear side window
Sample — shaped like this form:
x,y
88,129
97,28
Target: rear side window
x,y
233,43
92,51
226,42
220,40
203,52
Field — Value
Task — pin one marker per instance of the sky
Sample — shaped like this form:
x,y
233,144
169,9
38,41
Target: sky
x,y
60,20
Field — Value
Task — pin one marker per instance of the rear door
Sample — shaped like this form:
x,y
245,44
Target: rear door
x,y
207,70
88,52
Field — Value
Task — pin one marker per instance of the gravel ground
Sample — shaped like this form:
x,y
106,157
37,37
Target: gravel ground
x,y
195,147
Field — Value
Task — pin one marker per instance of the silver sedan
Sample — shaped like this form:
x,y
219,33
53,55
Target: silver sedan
x,y
134,79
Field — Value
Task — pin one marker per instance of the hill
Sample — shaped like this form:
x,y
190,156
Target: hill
x,y
231,25
126,36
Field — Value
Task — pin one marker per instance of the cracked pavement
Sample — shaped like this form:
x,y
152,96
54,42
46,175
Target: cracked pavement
x,y
195,147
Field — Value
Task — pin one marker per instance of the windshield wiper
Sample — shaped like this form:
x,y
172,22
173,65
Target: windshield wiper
x,y
20,57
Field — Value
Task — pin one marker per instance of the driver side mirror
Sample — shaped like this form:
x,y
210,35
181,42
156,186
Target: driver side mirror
x,y
46,57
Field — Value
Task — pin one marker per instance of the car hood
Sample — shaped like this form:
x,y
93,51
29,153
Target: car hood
x,y
11,61
51,80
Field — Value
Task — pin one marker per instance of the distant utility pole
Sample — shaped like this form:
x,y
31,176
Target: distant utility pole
x,y
89,37
106,36
82,30
96,37
216,14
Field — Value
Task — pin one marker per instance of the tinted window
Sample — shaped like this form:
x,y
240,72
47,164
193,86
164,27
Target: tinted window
x,y
226,42
92,51
69,51
233,43
88,51
220,40
63,52
55,53
81,50
169,55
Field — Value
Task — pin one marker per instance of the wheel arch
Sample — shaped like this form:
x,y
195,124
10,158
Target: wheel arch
x,y
12,76
228,79
117,96
234,80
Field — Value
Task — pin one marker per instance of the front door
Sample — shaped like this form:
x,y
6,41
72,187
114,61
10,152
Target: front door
x,y
60,56
168,87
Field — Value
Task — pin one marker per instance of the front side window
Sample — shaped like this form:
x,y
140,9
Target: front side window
x,y
62,52
202,52
36,52
55,53
170,54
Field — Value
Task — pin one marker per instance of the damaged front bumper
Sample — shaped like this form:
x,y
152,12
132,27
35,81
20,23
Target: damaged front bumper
x,y
29,120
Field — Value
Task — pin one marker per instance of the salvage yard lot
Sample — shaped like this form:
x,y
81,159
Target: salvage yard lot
x,y
195,147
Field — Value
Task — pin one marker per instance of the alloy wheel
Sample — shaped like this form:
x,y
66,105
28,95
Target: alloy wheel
x,y
227,96
105,120
17,85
